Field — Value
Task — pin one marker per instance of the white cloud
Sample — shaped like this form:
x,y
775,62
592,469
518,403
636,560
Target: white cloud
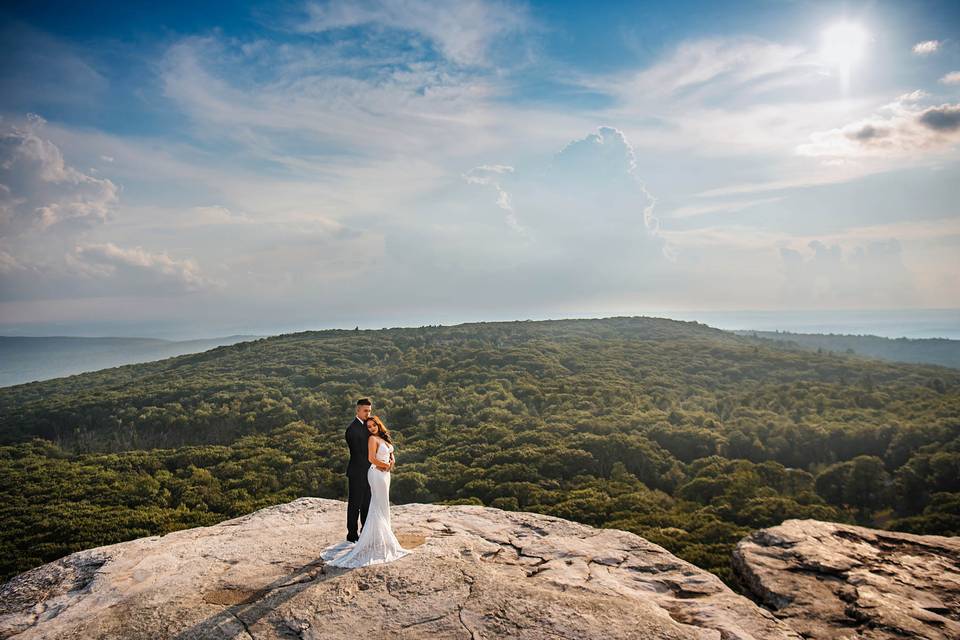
x,y
904,264
101,269
926,47
40,191
135,267
729,236
745,237
462,31
900,131
8,263
489,175
713,68
213,215
425,116
931,230
913,96
951,78
305,189
727,207
869,275
47,207
341,136
588,199
411,108
739,106
748,102
824,177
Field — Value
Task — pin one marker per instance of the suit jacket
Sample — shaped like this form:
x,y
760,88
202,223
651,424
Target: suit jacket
x,y
356,436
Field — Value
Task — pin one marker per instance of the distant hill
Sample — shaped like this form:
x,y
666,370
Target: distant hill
x,y
28,359
940,351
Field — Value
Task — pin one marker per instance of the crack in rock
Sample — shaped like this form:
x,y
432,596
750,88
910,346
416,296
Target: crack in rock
x,y
241,621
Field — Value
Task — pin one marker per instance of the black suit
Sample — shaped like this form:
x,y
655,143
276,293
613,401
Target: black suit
x,y
358,498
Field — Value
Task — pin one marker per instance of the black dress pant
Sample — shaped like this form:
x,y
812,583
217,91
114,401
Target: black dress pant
x,y
358,501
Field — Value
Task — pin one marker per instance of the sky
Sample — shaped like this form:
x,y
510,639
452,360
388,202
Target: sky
x,y
200,169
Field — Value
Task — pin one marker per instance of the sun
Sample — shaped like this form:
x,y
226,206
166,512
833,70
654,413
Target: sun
x,y
843,45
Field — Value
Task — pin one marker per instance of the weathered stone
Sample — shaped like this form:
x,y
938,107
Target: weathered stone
x,y
835,581
475,572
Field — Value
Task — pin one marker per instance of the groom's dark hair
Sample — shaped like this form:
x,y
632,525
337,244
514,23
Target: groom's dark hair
x,y
363,401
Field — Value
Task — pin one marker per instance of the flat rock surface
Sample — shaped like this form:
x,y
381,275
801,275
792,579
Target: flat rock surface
x,y
475,572
836,581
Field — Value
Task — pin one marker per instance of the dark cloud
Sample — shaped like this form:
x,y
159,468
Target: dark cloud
x,y
868,132
943,118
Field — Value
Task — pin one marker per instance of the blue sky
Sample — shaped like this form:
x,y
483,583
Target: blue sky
x,y
210,168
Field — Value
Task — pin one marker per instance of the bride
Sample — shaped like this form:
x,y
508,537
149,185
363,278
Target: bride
x,y
376,543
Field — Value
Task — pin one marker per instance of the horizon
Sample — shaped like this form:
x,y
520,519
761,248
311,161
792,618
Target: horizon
x,y
942,323
188,171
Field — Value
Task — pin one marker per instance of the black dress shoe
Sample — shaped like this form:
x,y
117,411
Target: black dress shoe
x,y
352,539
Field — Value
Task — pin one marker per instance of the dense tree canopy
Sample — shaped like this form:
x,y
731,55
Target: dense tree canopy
x,y
684,434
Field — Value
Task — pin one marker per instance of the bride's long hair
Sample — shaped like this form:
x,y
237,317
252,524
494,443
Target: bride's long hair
x,y
382,430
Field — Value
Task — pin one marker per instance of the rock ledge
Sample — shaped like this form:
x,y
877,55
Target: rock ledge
x,y
476,572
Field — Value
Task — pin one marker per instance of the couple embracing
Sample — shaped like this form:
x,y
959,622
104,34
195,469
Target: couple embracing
x,y
368,475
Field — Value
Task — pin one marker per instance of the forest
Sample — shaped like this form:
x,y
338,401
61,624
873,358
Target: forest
x,y
941,351
681,433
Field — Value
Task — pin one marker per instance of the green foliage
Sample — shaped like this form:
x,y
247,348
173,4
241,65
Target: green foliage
x,y
686,435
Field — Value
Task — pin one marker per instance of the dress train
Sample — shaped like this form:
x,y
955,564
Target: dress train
x,y
377,543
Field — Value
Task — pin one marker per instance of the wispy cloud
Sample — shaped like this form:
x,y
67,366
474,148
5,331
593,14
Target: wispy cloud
x,y
39,68
309,119
101,269
463,32
134,268
927,47
721,207
713,68
951,78
724,96
490,175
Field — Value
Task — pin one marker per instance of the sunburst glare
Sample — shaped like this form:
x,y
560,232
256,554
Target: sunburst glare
x,y
843,45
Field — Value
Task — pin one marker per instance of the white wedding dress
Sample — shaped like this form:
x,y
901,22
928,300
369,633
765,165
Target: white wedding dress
x,y
376,543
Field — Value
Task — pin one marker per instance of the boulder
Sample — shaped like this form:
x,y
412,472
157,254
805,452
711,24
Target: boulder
x,y
836,581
